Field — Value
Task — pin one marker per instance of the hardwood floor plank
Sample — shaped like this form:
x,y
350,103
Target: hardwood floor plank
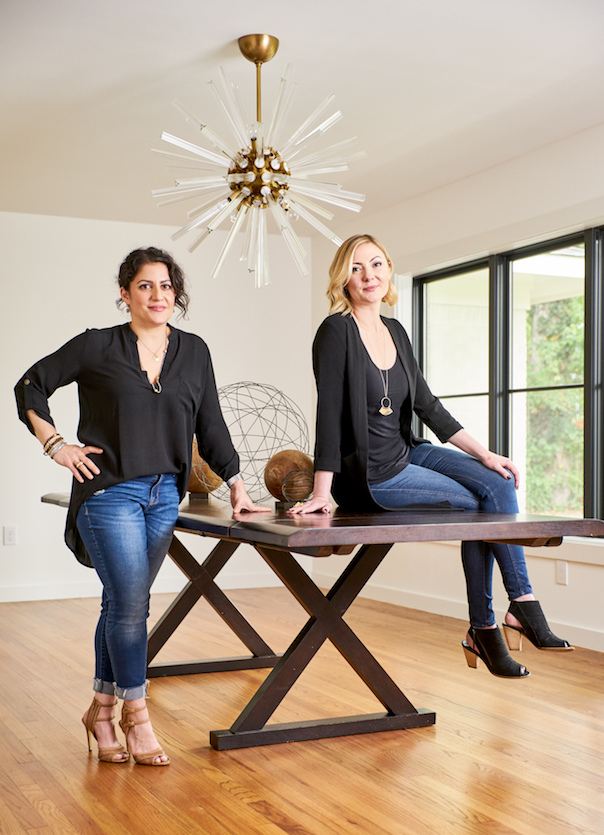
x,y
16,801
504,758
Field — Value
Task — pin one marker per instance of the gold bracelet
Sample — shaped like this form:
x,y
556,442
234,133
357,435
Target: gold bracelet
x,y
59,445
51,441
51,449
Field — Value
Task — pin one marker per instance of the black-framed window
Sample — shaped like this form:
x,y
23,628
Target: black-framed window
x,y
513,346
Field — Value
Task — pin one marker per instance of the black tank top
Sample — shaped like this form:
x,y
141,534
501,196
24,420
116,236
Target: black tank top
x,y
388,450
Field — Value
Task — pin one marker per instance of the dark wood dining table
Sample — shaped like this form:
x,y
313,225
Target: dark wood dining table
x,y
278,538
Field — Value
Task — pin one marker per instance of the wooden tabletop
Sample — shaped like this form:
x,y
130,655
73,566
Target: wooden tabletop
x,y
215,518
390,526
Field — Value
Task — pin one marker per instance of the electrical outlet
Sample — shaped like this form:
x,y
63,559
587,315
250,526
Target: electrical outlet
x,y
9,535
562,572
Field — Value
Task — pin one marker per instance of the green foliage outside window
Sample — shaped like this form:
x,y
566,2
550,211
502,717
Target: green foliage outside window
x,y
555,337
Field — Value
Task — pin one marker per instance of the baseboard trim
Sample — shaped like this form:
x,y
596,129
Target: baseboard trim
x,y
92,588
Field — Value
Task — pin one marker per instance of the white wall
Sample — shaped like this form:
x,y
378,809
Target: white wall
x,y
556,189
552,191
58,279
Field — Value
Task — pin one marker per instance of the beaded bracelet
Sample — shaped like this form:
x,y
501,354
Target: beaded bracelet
x,y
51,441
59,445
54,447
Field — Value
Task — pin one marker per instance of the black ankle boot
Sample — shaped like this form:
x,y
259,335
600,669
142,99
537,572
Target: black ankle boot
x,y
490,647
534,626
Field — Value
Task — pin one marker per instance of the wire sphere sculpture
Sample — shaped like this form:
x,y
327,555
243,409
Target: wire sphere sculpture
x,y
262,421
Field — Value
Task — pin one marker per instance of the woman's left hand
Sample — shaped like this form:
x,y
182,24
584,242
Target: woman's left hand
x,y
501,465
242,503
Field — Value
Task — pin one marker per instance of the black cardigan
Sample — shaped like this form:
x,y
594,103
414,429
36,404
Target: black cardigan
x,y
142,433
342,435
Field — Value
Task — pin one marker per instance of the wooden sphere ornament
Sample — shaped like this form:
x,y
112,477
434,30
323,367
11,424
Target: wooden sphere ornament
x,y
203,479
289,476
298,485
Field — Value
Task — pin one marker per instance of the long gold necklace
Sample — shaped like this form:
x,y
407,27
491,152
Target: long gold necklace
x,y
385,403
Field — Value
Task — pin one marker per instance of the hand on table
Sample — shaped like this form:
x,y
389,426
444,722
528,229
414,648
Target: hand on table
x,y
314,505
241,502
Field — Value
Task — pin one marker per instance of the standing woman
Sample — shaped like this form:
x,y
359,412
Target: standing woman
x,y
145,388
369,385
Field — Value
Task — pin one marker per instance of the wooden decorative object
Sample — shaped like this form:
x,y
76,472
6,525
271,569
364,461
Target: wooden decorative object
x,y
289,476
203,479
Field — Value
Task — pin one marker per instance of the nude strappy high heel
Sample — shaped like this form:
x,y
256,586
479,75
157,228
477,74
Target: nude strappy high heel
x,y
91,717
126,724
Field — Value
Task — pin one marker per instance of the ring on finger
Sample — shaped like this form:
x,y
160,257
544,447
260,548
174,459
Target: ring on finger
x,y
79,464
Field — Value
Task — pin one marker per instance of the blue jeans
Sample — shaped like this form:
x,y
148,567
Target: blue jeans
x,y
127,530
436,474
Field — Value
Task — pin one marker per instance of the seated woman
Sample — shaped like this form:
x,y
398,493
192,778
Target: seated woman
x,y
369,385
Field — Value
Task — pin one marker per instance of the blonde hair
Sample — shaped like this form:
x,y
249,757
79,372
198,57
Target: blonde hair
x,y
340,272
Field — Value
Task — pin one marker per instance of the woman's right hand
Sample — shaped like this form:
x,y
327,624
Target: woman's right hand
x,y
320,496
317,503
76,459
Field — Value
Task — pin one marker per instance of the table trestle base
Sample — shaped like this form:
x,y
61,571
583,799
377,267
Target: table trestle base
x,y
202,585
322,729
211,665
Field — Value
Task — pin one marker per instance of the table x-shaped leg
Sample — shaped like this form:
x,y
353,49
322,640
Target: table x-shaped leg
x,y
325,622
201,584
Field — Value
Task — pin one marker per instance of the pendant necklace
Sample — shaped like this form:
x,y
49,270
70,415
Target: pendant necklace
x,y
385,402
157,355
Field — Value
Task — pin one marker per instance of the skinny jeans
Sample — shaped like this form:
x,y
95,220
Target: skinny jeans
x,y
435,474
127,530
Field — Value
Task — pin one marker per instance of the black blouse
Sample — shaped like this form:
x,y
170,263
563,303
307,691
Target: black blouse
x,y
141,432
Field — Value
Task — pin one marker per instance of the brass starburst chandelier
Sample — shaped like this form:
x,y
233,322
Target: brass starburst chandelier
x,y
259,179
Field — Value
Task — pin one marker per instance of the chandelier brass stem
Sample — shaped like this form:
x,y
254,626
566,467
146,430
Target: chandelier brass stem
x,y
258,93
258,49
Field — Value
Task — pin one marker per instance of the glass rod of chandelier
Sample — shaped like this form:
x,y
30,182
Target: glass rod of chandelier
x,y
249,182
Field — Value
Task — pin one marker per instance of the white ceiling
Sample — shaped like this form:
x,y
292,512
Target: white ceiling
x,y
436,90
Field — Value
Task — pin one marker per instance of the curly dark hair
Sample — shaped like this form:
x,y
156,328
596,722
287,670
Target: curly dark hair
x,y
137,259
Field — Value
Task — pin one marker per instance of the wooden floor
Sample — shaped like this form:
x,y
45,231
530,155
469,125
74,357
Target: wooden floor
x,y
505,757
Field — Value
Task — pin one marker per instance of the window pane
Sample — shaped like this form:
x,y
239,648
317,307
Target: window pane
x,y
548,350
548,319
547,447
457,334
472,413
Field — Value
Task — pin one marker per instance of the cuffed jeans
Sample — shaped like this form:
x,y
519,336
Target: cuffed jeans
x,y
435,474
127,530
